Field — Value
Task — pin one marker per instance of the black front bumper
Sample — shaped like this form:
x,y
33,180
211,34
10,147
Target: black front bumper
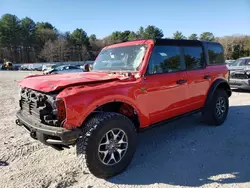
x,y
240,83
49,135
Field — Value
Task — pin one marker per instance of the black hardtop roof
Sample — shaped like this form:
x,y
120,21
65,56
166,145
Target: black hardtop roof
x,y
182,42
174,42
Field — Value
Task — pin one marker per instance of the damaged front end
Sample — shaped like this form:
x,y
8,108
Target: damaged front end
x,y
240,79
41,106
43,115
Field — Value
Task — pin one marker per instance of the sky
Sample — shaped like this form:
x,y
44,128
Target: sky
x,y
221,17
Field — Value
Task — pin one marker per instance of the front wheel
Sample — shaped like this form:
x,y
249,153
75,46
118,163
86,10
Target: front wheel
x,y
107,145
215,113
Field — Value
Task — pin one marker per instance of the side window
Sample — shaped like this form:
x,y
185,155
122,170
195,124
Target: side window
x,y
194,57
215,53
165,59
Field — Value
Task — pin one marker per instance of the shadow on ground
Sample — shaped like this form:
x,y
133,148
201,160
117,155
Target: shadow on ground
x,y
241,90
188,153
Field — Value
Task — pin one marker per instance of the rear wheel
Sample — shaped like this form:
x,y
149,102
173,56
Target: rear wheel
x,y
107,144
215,113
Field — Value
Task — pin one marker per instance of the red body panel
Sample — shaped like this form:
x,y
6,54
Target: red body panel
x,y
154,97
165,98
81,101
48,83
198,86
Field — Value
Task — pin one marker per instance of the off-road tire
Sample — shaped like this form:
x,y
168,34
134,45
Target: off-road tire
x,y
209,114
93,131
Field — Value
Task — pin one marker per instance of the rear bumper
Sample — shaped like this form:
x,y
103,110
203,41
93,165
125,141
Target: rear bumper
x,y
49,135
240,83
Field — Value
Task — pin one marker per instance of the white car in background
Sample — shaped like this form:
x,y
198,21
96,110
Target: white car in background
x,y
229,61
31,66
46,67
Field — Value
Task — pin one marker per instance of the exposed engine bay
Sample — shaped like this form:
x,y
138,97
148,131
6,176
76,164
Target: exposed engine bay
x,y
40,106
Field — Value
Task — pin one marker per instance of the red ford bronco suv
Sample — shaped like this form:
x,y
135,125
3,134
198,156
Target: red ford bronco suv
x,y
133,85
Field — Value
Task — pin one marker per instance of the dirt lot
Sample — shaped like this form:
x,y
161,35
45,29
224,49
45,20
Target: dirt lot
x,y
184,153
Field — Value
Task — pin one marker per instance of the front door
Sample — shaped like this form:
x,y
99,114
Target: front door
x,y
165,84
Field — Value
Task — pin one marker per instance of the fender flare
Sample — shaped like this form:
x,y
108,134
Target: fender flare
x,y
141,116
219,83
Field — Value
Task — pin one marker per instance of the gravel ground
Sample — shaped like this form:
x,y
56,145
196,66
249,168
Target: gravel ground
x,y
184,153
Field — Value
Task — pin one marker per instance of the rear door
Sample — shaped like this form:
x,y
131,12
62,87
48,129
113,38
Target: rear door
x,y
198,78
165,84
204,64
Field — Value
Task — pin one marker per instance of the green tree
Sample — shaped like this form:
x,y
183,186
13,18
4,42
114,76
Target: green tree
x,y
152,32
207,36
92,37
178,35
80,42
44,32
116,36
45,28
125,35
44,35
79,37
28,28
238,49
132,36
140,33
193,37
10,36
96,47
45,25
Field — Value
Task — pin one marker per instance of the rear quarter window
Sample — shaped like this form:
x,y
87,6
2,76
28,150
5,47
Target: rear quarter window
x,y
215,54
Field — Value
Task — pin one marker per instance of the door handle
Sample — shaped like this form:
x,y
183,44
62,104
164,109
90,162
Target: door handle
x,y
207,77
181,81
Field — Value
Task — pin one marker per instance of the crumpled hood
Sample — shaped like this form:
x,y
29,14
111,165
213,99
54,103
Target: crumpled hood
x,y
49,83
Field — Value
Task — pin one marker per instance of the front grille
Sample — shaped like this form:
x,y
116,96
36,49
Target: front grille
x,y
40,106
239,76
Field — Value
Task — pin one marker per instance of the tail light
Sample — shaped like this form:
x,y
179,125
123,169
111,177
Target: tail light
x,y
61,111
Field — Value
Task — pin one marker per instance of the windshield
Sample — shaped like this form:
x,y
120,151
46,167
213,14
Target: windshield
x,y
238,62
120,58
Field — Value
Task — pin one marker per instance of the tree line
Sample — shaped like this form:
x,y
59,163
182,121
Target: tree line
x,y
26,41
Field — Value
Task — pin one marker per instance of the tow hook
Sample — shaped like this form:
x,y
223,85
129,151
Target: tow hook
x,y
18,122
